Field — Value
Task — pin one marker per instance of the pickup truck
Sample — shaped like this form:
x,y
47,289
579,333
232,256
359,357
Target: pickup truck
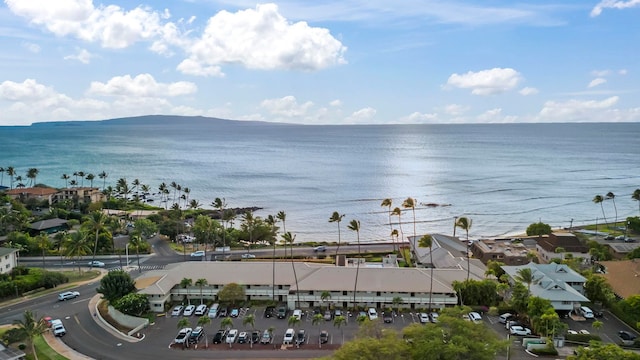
x,y
58,328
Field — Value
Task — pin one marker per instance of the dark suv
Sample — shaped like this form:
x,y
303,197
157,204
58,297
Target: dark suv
x,y
196,335
282,312
219,337
268,312
301,338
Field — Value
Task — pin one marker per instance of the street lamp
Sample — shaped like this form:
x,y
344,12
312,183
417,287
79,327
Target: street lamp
x,y
626,228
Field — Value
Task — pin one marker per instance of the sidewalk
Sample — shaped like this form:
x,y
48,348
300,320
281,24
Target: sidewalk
x,y
61,348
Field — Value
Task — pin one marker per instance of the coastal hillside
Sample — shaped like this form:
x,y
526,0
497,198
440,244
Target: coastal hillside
x,y
155,120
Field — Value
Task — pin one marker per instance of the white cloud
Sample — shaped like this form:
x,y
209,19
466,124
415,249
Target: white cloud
x,y
335,103
83,56
597,81
419,118
496,116
576,110
28,90
361,116
34,48
622,72
261,38
143,85
613,4
486,82
455,109
286,106
110,25
526,91
600,73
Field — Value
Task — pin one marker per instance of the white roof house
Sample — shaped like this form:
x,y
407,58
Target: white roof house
x,y
376,287
557,283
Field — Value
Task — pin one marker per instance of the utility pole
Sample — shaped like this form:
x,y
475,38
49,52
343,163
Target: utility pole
x,y
571,224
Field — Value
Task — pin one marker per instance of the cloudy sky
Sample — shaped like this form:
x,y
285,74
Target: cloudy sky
x,y
321,62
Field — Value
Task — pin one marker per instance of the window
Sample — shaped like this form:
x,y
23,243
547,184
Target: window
x,y
344,293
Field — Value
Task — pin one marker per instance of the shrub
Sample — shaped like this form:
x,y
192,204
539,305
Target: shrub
x,y
13,335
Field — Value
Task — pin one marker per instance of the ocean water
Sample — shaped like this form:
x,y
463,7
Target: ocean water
x,y
502,176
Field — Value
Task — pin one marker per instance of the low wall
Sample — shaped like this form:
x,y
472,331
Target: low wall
x,y
129,321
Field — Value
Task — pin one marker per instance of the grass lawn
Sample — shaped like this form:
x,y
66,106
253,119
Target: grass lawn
x,y
43,350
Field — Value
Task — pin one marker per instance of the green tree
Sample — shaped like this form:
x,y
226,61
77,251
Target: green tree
x,y
293,321
598,199
396,301
388,347
137,241
201,283
599,350
636,196
397,212
232,293
494,268
324,296
185,283
427,241
611,196
77,245
538,229
465,224
519,297
597,325
96,223
183,323
388,203
204,320
282,216
598,290
44,243
525,275
227,323
354,225
132,304
205,230
336,217
115,285
287,237
145,227
30,327
410,203
251,321
317,320
338,322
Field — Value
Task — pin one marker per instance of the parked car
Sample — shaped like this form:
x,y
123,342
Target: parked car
x,y
177,310
234,312
220,336
373,314
255,336
199,253
626,337
609,237
200,310
620,237
96,263
232,335
248,256
58,327
196,335
584,332
301,338
505,317
324,337
288,336
282,312
223,312
572,332
67,295
337,312
297,313
519,330
434,317
182,336
320,248
188,311
269,311
243,337
475,316
266,337
387,317
424,318
327,315
213,311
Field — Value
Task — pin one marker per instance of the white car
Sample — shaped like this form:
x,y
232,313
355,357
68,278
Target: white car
x,y
200,310
519,330
584,332
475,317
199,253
231,336
424,318
182,336
373,314
177,310
288,336
572,332
248,256
188,311
434,317
96,263
68,295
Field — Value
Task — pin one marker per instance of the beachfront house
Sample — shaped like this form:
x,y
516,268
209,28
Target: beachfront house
x,y
557,283
39,194
506,251
560,246
377,286
80,194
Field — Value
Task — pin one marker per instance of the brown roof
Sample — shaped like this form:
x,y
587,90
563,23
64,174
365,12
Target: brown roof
x,y
567,241
35,191
623,276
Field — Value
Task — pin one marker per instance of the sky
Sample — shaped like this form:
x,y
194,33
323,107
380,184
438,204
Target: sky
x,y
322,61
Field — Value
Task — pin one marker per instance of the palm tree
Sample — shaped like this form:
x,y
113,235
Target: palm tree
x,y
203,321
465,224
201,283
31,327
611,196
32,174
388,203
227,323
354,225
19,184
97,223
317,320
220,204
282,216
103,175
288,237
394,238
598,199
44,243
293,321
65,177
90,177
396,302
271,221
427,241
336,217
338,322
525,275
185,283
636,196
183,323
410,203
137,241
324,296
397,212
77,245
81,174
194,204
174,186
250,320
249,224
11,172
